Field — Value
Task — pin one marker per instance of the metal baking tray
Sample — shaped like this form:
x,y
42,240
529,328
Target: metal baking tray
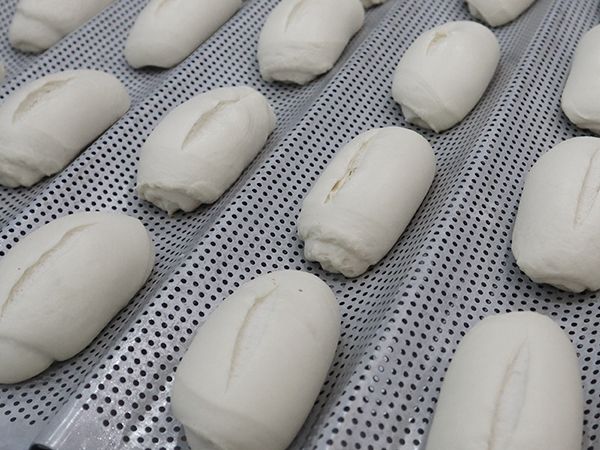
x,y
401,321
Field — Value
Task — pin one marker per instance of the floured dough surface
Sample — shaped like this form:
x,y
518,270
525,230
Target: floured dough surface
x,y
580,99
444,73
166,32
48,122
303,39
497,12
365,198
201,147
61,284
513,383
38,25
557,229
275,334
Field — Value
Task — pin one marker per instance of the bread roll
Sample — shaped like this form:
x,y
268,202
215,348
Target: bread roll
x,y
61,284
256,366
200,149
581,96
47,123
557,229
497,12
166,32
303,39
363,201
37,25
444,73
513,384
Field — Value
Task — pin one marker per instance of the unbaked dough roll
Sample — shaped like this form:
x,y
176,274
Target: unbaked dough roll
x,y
497,12
200,149
37,25
581,96
256,366
303,39
166,32
444,73
557,230
363,201
61,284
48,122
513,384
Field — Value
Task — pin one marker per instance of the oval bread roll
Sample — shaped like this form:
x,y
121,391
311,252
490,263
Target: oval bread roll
x,y
200,149
61,284
513,384
256,366
365,198
48,122
497,12
167,32
303,39
557,229
444,73
581,97
37,25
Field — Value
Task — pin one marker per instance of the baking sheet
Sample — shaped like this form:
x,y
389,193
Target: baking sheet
x,y
401,321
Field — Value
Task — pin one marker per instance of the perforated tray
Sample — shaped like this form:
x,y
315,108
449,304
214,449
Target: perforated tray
x,y
401,321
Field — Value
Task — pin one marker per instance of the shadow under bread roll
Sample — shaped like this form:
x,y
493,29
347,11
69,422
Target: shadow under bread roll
x,y
255,367
513,384
371,3
61,284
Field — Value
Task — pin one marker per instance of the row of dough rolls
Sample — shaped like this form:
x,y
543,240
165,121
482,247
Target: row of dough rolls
x,y
514,381
300,40
167,32
556,236
258,363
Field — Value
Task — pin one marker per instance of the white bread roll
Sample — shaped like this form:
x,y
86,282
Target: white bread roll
x,y
371,3
365,198
557,230
303,39
497,12
256,366
166,32
48,122
513,384
37,25
581,97
444,73
61,284
200,149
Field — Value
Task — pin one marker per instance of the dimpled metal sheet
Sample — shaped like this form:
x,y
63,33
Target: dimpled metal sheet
x,y
401,321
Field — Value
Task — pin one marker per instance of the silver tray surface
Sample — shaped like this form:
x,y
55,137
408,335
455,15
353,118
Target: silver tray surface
x,y
401,321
